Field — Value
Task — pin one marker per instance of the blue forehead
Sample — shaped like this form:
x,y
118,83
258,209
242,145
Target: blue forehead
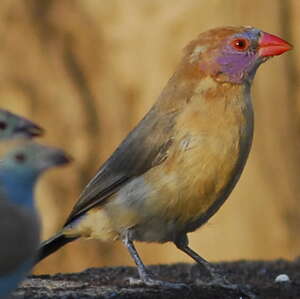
x,y
251,34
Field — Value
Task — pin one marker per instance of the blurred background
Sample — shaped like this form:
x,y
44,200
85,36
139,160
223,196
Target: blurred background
x,y
88,70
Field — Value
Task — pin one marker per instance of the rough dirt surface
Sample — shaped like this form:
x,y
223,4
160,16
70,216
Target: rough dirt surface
x,y
255,278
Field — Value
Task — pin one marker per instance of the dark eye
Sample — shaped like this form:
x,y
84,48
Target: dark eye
x,y
3,125
20,158
240,44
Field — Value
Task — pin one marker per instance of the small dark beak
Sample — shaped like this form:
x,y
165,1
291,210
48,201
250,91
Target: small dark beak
x,y
30,129
60,158
272,45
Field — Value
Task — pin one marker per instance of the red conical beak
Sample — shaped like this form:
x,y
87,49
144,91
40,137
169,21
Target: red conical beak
x,y
271,45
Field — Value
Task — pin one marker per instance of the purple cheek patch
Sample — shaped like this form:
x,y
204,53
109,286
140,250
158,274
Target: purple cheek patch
x,y
237,65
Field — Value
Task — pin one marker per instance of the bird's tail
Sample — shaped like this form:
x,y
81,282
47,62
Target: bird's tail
x,y
51,245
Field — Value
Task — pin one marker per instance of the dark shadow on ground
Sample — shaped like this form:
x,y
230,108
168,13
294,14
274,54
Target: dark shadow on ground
x,y
256,277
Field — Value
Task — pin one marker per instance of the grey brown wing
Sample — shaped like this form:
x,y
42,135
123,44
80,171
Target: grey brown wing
x,y
145,147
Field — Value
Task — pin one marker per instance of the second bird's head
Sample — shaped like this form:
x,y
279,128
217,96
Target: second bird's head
x,y
233,54
21,163
15,126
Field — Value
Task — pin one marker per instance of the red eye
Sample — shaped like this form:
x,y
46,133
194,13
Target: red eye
x,y
240,44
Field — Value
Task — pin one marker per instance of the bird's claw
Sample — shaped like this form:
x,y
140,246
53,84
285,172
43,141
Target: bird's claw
x,y
225,284
150,282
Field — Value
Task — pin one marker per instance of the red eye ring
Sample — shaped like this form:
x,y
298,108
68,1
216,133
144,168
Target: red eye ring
x,y
240,44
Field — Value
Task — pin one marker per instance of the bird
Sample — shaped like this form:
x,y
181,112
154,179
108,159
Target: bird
x,y
21,164
177,167
13,126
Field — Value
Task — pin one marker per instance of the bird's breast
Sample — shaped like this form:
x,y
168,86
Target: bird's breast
x,y
211,143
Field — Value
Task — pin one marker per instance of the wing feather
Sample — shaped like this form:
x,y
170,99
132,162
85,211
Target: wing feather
x,y
145,147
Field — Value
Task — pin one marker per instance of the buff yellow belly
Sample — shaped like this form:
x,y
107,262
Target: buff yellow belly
x,y
166,199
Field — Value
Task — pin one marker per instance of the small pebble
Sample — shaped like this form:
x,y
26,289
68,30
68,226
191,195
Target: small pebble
x,y
282,278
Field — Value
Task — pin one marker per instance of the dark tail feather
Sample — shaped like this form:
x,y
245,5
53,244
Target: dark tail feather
x,y
49,246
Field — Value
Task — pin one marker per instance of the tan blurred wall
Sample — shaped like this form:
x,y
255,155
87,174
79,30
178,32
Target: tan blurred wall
x,y
88,70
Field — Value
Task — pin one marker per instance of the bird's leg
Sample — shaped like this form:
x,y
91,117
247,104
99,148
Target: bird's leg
x,y
182,244
217,277
144,273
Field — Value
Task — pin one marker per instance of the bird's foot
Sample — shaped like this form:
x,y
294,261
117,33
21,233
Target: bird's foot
x,y
150,282
222,282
